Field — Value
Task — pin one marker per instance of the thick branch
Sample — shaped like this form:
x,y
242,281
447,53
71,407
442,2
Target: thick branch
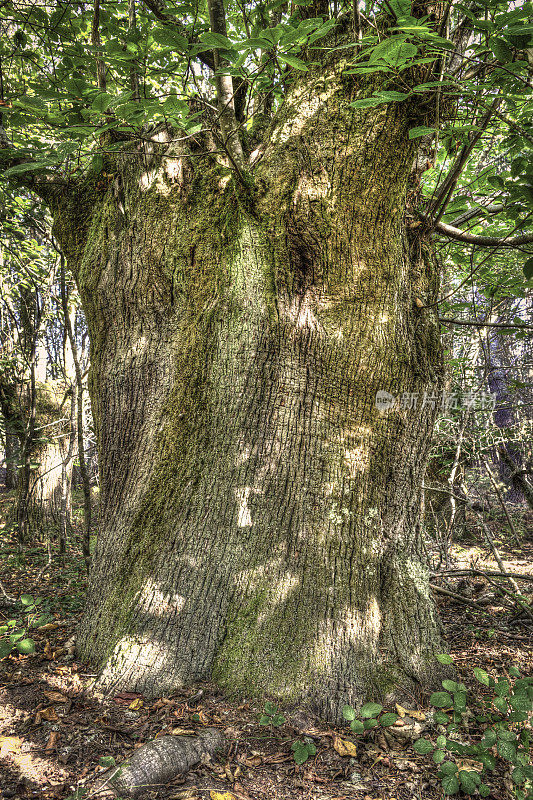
x,y
481,241
475,324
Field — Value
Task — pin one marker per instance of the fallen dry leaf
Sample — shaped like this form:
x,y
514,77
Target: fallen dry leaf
x,y
344,747
47,650
136,705
254,761
49,714
181,732
400,710
52,740
467,764
125,697
418,715
56,697
221,795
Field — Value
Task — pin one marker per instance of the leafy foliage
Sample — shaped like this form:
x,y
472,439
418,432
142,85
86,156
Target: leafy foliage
x,y
504,712
272,716
14,633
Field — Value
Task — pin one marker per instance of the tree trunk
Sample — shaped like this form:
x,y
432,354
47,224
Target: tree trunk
x,y
260,516
12,450
45,495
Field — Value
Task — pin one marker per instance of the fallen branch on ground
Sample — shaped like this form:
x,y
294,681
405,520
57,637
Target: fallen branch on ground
x,y
481,573
157,762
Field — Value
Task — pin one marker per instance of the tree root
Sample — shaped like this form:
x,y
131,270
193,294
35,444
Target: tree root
x,y
157,762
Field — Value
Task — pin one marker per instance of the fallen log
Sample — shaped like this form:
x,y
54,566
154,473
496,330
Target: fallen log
x,y
157,762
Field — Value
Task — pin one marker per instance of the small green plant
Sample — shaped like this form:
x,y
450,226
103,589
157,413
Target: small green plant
x,y
302,749
371,717
271,716
14,632
503,714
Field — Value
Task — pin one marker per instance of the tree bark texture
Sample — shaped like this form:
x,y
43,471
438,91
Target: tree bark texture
x,y
260,516
45,493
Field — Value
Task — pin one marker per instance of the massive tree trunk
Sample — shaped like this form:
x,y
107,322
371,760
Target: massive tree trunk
x,y
260,516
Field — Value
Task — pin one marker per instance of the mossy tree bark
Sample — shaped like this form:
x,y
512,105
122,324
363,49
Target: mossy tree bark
x,y
260,517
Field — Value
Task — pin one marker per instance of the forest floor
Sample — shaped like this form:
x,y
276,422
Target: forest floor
x,y
57,734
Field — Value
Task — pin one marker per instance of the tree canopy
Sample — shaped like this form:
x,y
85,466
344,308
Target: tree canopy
x,y
78,80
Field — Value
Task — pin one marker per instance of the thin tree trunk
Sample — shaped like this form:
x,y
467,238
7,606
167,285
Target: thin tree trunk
x,y
78,390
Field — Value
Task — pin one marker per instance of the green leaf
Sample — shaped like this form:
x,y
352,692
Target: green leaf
x,y
482,676
441,700
502,688
439,756
517,716
450,686
441,718
506,750
97,164
292,61
107,761
520,702
264,720
469,780
448,768
501,49
386,720
490,738
102,101
488,760
442,658
311,747
500,703
5,647
528,272
441,741
301,752
416,133
514,672
26,646
394,51
423,746
370,723
357,726
216,40
370,710
348,713
367,102
518,775
26,599
459,701
483,789
450,784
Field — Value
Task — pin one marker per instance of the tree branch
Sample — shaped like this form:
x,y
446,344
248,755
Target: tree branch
x,y
224,87
475,324
480,241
